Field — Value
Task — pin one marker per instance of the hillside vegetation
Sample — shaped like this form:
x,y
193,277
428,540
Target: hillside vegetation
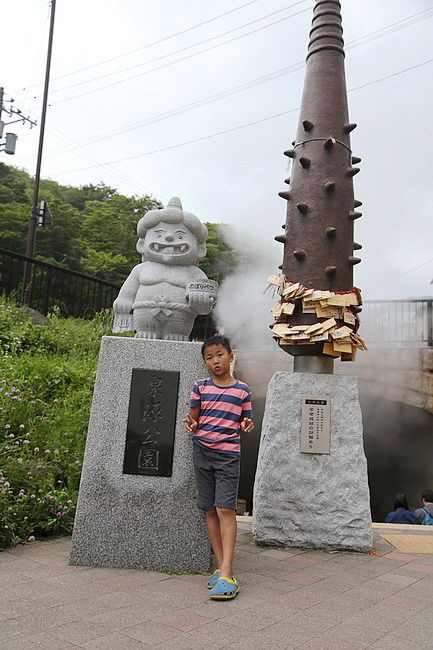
x,y
48,372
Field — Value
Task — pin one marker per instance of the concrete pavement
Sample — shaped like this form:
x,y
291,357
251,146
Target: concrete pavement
x,y
289,599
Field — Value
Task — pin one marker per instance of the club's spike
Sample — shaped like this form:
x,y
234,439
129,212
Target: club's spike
x,y
287,180
329,143
302,207
299,254
356,160
348,128
354,260
357,204
283,226
305,162
330,186
331,270
356,309
285,194
293,143
280,266
352,171
308,126
290,153
330,231
356,246
282,239
354,215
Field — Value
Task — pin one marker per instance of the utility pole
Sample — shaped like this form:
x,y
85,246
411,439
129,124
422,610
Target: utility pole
x,y
33,222
8,146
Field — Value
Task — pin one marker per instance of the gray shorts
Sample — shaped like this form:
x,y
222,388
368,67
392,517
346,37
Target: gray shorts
x,y
217,478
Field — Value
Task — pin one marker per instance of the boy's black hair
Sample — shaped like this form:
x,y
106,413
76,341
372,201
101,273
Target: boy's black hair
x,y
217,339
427,495
400,501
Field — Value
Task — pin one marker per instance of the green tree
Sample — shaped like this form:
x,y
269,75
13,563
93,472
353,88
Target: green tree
x,y
220,259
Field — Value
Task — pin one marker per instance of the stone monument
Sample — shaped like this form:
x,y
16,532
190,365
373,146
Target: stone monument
x,y
311,487
136,505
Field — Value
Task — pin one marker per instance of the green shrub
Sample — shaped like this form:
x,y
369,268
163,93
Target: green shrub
x,y
48,372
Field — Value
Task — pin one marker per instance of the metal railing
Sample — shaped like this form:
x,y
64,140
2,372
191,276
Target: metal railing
x,y
398,321
74,293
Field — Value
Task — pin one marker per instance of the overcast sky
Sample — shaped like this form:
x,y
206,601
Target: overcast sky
x,y
120,66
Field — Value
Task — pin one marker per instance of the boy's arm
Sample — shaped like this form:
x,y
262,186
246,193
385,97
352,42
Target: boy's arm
x,y
191,420
247,424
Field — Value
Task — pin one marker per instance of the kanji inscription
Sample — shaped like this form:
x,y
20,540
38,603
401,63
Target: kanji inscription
x,y
151,422
315,424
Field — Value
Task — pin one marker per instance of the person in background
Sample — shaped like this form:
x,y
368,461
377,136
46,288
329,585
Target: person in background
x,y
401,513
424,515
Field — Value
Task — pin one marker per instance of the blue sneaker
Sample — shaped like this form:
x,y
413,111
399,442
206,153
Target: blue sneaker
x,y
225,589
213,579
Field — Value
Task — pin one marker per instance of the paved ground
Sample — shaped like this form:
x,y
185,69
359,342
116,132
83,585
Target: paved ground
x,y
289,599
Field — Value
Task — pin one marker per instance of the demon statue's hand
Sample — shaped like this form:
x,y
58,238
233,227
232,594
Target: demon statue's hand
x,y
200,302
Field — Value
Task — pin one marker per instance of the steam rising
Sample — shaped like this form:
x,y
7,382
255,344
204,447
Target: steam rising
x,y
243,311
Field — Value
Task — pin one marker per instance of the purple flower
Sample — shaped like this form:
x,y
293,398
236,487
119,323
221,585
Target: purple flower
x,y
21,493
26,442
6,484
31,538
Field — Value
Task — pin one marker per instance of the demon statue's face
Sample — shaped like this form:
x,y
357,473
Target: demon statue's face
x,y
171,243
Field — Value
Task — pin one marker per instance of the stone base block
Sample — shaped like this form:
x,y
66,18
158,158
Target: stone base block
x,y
312,500
128,520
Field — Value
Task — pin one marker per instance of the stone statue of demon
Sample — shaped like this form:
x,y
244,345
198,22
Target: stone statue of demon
x,y
162,296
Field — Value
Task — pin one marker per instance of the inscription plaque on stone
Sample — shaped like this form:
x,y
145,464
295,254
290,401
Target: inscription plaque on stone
x,y
315,424
151,422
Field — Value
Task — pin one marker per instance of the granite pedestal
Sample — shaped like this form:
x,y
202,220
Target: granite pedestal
x,y
128,520
312,500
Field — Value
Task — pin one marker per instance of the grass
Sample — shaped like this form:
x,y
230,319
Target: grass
x,y
48,372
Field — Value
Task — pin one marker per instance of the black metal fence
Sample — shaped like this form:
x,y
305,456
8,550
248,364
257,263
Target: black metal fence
x,y
73,293
76,294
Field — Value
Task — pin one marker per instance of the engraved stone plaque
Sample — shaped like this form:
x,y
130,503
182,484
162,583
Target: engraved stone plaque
x,y
151,422
315,424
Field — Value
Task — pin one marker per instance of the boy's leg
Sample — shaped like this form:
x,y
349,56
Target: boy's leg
x,y
228,528
214,532
226,490
205,477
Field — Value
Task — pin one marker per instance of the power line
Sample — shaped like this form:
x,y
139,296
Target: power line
x,y
415,268
389,29
127,180
367,38
241,126
143,47
179,60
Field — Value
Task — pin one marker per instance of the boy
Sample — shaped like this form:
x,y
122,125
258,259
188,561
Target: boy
x,y
220,408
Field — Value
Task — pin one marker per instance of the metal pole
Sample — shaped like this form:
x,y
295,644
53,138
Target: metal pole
x,y
31,232
430,323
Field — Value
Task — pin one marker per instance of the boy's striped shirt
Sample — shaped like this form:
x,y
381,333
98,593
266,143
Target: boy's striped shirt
x,y
222,408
